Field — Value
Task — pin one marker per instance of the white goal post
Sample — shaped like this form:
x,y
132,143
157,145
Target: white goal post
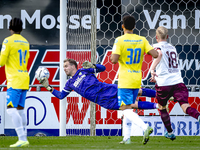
x,y
80,43
93,60
63,47
149,15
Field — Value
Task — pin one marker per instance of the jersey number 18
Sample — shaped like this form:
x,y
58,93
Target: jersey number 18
x,y
172,59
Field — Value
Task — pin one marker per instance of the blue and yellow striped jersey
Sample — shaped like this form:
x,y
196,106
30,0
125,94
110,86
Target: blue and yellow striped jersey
x,y
131,48
14,55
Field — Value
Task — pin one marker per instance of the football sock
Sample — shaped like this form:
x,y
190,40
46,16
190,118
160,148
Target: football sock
x,y
156,105
135,119
170,133
23,116
17,121
20,134
126,128
146,105
192,112
166,120
148,92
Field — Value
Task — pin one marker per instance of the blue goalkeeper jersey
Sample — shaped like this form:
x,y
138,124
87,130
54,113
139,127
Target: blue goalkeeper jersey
x,y
85,83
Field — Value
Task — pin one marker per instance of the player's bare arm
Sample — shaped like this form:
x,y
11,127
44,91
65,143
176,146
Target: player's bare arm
x,y
154,64
153,53
3,58
114,58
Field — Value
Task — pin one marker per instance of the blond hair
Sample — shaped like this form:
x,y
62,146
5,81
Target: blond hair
x,y
162,33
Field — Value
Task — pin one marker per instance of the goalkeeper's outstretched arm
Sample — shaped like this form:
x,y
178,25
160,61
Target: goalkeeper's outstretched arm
x,y
59,94
100,68
97,67
44,81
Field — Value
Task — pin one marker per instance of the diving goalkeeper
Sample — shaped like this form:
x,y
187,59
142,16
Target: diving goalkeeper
x,y
85,83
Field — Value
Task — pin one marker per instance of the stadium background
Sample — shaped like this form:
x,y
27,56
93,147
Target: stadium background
x,y
41,28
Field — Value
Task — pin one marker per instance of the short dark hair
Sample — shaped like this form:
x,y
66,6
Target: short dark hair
x,y
129,22
16,25
72,62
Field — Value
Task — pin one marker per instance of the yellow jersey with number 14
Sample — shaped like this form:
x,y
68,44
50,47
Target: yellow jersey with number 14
x,y
131,48
14,55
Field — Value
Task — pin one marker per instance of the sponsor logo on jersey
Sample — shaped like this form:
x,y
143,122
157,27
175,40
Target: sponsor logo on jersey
x,y
79,80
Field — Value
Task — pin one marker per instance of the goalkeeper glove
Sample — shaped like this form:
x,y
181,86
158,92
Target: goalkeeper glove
x,y
88,64
44,81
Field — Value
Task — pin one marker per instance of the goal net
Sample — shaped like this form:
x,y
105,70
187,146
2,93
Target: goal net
x,y
78,111
149,15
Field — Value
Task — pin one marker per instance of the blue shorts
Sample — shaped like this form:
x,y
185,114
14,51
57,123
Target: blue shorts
x,y
127,96
16,97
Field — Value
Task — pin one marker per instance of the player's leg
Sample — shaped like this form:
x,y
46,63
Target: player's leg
x,y
145,104
140,105
24,122
191,111
181,96
13,98
135,119
126,130
21,111
163,94
147,92
126,97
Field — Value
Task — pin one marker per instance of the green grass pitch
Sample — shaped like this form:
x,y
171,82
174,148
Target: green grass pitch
x,y
104,142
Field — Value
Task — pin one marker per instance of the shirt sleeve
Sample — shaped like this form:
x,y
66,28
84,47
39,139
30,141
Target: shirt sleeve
x,y
64,92
3,60
99,68
59,94
116,47
4,53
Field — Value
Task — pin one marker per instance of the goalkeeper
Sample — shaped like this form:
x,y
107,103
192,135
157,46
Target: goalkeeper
x,y
85,83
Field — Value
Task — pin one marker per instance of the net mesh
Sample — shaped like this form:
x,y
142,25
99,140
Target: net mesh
x,y
149,15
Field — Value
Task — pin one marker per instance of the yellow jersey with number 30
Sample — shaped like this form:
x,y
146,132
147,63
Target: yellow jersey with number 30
x,y
131,48
14,55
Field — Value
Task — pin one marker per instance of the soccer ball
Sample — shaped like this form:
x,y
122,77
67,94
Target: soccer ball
x,y
42,72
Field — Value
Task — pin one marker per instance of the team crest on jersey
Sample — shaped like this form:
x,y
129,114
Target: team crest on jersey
x,y
5,41
80,73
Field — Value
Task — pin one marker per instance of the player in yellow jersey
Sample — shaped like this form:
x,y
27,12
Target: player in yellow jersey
x,y
129,50
14,55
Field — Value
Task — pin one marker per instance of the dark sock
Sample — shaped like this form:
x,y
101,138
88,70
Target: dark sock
x,y
146,105
166,120
192,112
148,92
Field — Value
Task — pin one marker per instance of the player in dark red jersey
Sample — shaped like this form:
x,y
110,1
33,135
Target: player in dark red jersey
x,y
169,81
